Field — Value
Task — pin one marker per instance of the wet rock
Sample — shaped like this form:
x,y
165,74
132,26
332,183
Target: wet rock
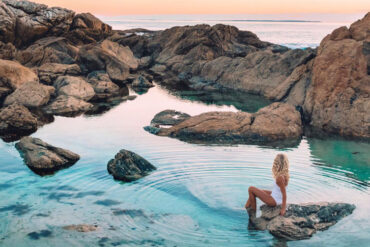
x,y
68,106
81,228
75,87
116,60
38,235
337,100
169,117
30,94
13,74
273,124
15,121
43,158
49,72
300,221
128,166
142,82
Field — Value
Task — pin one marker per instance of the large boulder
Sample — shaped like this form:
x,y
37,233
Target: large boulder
x,y
48,50
74,86
115,59
49,72
16,121
276,124
300,221
338,100
30,21
13,74
128,166
30,94
68,106
104,88
43,158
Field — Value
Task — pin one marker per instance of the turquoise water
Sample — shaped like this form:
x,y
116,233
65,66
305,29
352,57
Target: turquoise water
x,y
196,196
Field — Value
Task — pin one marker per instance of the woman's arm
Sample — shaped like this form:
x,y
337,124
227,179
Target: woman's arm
x,y
281,183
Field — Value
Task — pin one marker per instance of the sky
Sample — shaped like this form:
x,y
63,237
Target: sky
x,y
150,7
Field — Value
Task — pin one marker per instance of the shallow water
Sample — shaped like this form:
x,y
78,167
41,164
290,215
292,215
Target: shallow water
x,y
196,196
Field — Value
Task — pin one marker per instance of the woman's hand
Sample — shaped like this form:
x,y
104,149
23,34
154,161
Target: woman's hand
x,y
282,211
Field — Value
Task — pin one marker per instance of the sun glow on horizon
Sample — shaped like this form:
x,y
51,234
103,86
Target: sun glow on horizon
x,y
151,7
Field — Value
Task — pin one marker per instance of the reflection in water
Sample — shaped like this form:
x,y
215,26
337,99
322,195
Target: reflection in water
x,y
195,198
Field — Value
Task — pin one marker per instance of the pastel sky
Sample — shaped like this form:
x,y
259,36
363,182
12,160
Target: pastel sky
x,y
124,7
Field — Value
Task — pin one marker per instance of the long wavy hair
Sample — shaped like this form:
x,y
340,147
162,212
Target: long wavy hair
x,y
280,167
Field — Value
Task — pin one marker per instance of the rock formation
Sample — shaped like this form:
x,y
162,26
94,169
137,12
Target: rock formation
x,y
300,221
275,124
43,158
128,166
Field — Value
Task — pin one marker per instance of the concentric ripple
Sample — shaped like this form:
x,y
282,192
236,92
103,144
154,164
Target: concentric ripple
x,y
194,198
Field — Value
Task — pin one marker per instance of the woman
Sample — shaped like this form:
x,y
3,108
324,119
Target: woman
x,y
280,172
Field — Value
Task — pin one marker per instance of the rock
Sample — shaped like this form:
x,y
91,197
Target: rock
x,y
104,88
169,117
74,86
300,221
7,23
43,158
128,166
86,28
81,228
13,74
49,72
30,21
68,106
276,124
115,59
337,100
142,82
30,94
48,50
7,51
16,121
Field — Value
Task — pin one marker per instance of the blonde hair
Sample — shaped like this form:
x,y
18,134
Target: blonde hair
x,y
280,167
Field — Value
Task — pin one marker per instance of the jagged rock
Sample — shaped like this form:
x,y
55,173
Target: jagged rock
x,y
16,121
32,21
81,228
86,28
337,100
116,60
49,72
68,106
300,221
13,74
7,23
43,158
48,50
142,82
30,94
7,51
128,166
273,125
74,86
103,86
169,117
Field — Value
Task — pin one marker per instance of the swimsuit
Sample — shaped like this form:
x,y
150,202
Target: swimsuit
x,y
276,194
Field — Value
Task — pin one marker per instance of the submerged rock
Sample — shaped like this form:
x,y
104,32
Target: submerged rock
x,y
43,158
16,121
277,123
128,166
81,228
300,221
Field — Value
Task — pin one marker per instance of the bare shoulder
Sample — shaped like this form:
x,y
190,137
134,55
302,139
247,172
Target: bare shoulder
x,y
280,180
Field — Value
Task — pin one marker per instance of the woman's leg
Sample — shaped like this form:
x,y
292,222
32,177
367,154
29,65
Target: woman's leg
x,y
248,203
262,195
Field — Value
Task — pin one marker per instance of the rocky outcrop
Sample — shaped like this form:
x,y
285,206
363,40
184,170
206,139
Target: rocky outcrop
x,y
141,82
68,106
16,121
338,99
43,158
273,124
13,74
49,72
169,117
300,221
74,86
128,166
30,94
104,88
